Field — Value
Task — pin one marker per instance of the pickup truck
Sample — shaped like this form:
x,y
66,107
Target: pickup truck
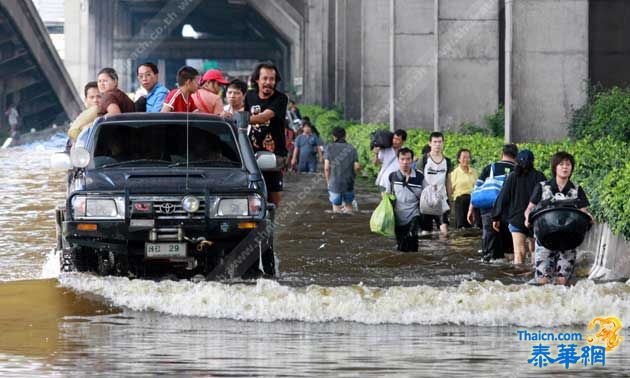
x,y
151,194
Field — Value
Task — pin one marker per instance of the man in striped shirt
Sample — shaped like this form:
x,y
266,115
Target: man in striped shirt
x,y
179,99
406,184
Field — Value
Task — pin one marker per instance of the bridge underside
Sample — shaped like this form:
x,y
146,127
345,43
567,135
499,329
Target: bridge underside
x,y
32,76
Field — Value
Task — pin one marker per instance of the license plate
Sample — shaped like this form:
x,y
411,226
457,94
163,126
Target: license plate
x,y
157,250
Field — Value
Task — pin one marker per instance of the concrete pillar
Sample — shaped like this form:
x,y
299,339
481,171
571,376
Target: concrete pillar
x,y
89,30
316,45
76,34
340,9
468,68
414,65
352,50
376,62
550,66
101,36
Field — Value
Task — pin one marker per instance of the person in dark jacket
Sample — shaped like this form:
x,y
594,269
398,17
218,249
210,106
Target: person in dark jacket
x,y
514,197
495,244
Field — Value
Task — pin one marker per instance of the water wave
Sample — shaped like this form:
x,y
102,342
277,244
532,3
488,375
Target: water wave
x,y
471,303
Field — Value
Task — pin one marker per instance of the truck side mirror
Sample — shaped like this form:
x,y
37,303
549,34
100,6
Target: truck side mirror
x,y
266,161
61,161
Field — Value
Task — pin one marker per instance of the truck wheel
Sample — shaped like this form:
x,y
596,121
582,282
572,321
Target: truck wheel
x,y
67,260
106,264
268,264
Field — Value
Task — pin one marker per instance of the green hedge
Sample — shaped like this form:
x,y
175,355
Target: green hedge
x,y
601,166
605,113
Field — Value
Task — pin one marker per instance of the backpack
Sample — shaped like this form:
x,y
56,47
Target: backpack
x,y
484,196
381,138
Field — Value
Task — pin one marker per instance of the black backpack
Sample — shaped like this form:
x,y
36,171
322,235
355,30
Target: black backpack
x,y
381,138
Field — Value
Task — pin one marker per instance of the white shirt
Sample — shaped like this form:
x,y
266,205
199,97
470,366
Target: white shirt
x,y
13,116
435,173
228,108
389,162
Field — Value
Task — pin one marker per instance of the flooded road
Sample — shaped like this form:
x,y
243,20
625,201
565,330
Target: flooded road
x,y
346,304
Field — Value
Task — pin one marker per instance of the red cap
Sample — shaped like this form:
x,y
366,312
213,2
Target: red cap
x,y
214,75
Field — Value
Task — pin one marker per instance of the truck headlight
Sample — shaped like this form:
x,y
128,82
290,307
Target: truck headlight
x,y
240,207
190,204
86,207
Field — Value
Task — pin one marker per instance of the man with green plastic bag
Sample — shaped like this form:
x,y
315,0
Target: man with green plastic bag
x,y
406,185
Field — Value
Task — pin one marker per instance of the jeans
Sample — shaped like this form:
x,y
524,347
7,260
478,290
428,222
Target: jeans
x,y
309,166
338,198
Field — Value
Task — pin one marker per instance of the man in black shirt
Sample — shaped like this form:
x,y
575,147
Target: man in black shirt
x,y
494,244
268,108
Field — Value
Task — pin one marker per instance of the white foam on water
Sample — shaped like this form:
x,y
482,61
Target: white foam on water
x,y
52,265
470,303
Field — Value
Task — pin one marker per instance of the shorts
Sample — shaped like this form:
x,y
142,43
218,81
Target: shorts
x,y
273,180
337,198
550,264
519,230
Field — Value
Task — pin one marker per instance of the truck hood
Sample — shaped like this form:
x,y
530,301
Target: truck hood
x,y
166,181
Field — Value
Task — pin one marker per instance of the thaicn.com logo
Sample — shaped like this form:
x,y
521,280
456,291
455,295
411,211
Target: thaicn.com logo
x,y
574,348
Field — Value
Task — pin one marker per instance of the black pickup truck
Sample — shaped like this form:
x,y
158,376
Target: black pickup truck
x,y
166,193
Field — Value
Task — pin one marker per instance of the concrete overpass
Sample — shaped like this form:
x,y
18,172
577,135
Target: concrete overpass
x,y
32,76
433,64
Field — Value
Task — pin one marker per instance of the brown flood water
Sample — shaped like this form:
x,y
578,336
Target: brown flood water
x,y
346,303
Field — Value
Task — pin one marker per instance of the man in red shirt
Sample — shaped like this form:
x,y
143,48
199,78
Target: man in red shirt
x,y
179,99
207,98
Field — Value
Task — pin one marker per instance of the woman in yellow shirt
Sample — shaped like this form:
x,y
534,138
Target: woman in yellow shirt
x,y
463,181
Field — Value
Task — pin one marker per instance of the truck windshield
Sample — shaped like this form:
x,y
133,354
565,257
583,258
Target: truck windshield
x,y
164,144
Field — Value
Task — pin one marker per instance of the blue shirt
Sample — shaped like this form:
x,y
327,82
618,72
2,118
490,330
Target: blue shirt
x,y
155,98
308,145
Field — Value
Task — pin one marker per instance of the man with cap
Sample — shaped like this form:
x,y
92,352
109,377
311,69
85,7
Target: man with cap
x,y
207,97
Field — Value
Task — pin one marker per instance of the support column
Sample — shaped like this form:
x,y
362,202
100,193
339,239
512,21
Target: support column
x,y
376,63
414,64
467,61
550,66
101,36
76,34
340,53
353,53
392,62
316,45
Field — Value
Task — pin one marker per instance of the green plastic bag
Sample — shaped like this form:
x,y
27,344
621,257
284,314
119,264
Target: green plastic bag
x,y
383,220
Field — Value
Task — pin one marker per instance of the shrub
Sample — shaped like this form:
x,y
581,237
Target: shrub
x,y
615,204
605,113
495,123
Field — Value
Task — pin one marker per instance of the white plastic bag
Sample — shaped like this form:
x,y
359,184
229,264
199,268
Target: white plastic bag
x,y
433,200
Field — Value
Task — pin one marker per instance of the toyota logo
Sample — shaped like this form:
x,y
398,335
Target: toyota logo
x,y
167,208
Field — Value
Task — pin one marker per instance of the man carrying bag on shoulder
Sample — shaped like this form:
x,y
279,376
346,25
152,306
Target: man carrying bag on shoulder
x,y
487,188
